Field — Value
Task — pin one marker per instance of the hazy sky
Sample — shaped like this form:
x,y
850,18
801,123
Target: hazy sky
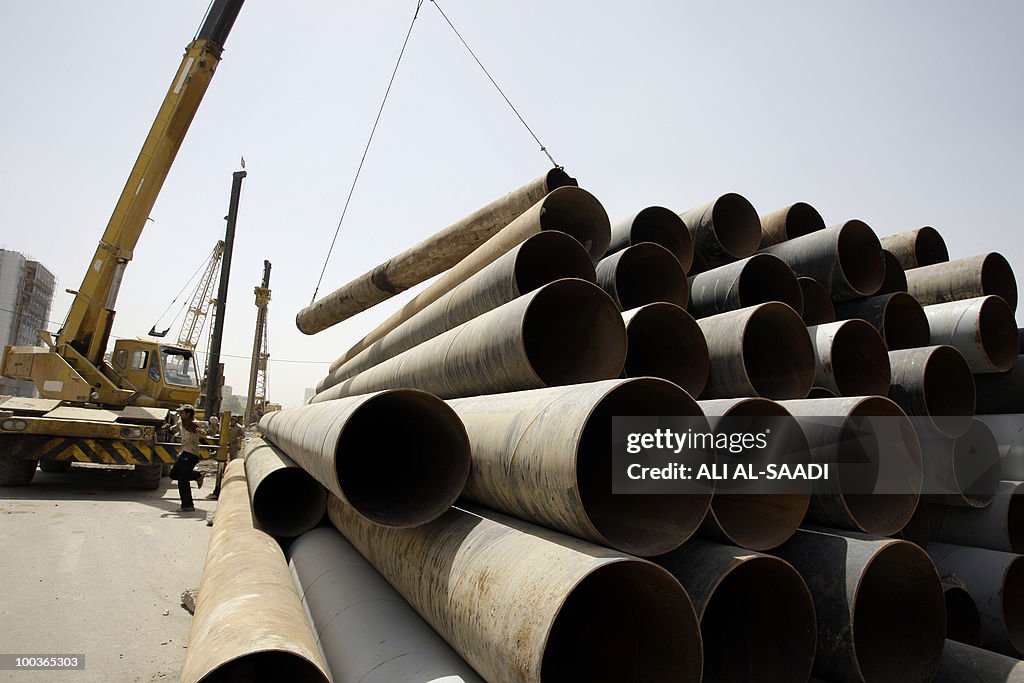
x,y
897,113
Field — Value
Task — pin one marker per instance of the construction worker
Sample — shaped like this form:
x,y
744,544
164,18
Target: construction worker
x,y
236,435
188,457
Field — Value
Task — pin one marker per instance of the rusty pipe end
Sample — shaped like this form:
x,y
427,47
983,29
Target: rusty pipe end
x,y
407,476
963,623
641,274
817,304
289,503
789,223
624,621
916,248
904,323
934,382
574,310
997,331
859,360
895,279
658,225
665,341
997,278
549,252
860,257
638,524
578,213
557,177
778,358
767,278
736,225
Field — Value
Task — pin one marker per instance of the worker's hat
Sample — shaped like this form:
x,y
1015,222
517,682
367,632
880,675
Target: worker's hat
x,y
187,408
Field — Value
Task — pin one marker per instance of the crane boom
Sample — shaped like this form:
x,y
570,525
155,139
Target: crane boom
x,y
199,306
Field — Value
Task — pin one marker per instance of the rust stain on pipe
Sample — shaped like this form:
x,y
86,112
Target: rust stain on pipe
x,y
935,384
566,332
790,222
982,329
724,229
249,623
966,278
664,341
394,477
520,603
897,316
546,456
758,351
916,248
658,225
642,274
755,280
286,500
851,357
434,255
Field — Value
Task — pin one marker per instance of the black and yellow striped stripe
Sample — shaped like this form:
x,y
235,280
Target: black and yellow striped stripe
x,y
106,451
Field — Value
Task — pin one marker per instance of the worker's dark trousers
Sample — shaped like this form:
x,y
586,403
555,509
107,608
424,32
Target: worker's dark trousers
x,y
186,474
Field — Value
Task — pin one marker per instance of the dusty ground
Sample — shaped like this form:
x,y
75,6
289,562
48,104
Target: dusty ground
x,y
93,566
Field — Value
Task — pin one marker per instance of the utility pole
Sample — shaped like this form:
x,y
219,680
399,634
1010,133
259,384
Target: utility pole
x,y
256,399
213,387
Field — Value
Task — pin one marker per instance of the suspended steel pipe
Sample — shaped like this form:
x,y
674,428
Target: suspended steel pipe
x,y
818,308
851,358
790,222
895,279
1008,431
846,259
248,618
545,456
520,603
871,440
1000,526
663,340
982,329
758,351
724,229
570,210
764,517
934,384
995,581
643,274
879,606
963,622
541,259
658,225
897,316
756,615
916,248
566,332
432,256
366,630
961,471
966,278
755,280
393,477
962,662
286,501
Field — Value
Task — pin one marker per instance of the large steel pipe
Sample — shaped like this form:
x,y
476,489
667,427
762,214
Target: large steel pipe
x,y
1001,393
870,445
756,615
966,278
758,351
765,517
286,500
1008,431
546,456
642,274
917,527
982,329
845,259
570,210
520,603
879,606
755,280
724,229
851,358
394,477
248,623
366,630
916,248
897,317
567,331
963,622
543,258
934,384
818,307
996,582
961,471
1000,526
434,255
790,222
895,279
658,225
966,664
664,341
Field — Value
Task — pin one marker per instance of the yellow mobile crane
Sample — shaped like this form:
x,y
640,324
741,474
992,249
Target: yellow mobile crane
x,y
93,410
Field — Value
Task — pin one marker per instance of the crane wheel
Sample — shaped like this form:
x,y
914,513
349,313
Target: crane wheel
x,y
148,476
55,466
16,472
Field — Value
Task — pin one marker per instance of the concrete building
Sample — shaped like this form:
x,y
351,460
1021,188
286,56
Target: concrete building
x,y
26,295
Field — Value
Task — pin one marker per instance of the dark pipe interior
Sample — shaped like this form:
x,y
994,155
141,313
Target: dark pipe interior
x,y
1015,519
269,665
289,502
904,323
818,308
860,360
403,458
802,219
895,279
997,278
963,623
1013,598
998,332
929,247
579,214
737,225
626,622
948,391
860,257
768,278
548,256
647,273
777,355
665,341
661,226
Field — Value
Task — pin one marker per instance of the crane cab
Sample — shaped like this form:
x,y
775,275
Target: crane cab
x,y
164,372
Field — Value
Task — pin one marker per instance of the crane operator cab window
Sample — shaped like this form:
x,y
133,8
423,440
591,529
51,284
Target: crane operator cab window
x,y
179,367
